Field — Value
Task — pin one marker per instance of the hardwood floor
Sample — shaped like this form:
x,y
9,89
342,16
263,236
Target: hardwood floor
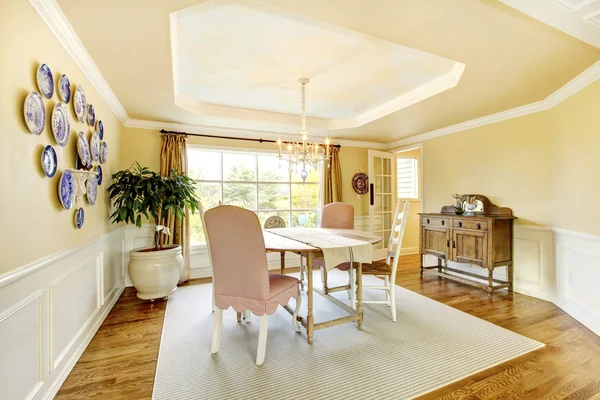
x,y
120,361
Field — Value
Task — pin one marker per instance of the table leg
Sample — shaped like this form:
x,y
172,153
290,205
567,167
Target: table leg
x,y
282,261
310,319
359,295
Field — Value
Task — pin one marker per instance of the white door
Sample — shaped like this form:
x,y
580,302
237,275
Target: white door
x,y
381,207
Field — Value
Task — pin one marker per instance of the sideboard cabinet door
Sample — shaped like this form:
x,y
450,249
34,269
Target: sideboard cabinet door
x,y
469,247
435,241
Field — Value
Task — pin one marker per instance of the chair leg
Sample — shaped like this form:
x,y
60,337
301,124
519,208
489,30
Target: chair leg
x,y
295,322
324,275
353,289
393,302
262,339
247,316
387,292
216,339
214,306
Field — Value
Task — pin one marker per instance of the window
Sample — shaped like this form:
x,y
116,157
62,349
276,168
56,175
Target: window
x,y
407,178
255,181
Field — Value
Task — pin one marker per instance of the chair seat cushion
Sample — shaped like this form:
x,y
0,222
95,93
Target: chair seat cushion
x,y
377,268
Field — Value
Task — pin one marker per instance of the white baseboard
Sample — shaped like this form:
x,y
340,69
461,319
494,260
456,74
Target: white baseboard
x,y
51,309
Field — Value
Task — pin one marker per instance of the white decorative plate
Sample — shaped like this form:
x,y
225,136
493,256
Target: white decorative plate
x,y
45,81
91,191
79,217
83,149
101,129
49,161
66,189
95,146
64,88
91,115
61,127
79,104
103,152
35,113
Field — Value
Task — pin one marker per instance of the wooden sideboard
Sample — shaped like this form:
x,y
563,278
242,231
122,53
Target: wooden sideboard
x,y
484,239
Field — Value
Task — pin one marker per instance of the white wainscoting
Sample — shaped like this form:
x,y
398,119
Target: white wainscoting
x,y
578,276
49,312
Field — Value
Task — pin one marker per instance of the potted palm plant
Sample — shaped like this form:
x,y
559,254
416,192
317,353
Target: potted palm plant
x,y
137,193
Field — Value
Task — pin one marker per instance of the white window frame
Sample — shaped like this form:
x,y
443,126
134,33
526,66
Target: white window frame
x,y
419,174
257,182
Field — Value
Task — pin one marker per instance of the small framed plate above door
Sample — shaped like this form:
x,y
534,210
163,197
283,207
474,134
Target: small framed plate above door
x,y
381,198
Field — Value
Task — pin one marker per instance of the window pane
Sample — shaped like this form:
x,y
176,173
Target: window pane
x,y
262,216
305,219
273,196
314,174
240,194
406,178
204,165
271,170
196,231
305,195
239,167
209,194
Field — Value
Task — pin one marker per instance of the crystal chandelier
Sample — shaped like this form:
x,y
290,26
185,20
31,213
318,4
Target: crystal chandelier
x,y
303,156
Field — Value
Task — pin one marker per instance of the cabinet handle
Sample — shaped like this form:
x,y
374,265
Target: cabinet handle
x,y
448,243
478,226
427,220
453,244
460,224
443,222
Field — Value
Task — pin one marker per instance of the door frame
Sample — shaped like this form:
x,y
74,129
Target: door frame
x,y
379,254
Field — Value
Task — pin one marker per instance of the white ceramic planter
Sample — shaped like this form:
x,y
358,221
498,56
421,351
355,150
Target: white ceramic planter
x,y
155,273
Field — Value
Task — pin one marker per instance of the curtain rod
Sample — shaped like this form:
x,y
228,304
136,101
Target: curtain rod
x,y
232,138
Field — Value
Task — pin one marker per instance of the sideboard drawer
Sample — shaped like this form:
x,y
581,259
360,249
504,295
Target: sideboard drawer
x,y
438,222
470,224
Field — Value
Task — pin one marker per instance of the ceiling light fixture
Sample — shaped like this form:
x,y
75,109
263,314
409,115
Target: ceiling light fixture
x,y
304,154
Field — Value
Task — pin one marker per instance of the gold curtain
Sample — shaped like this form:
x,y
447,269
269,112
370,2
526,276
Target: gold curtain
x,y
173,155
332,178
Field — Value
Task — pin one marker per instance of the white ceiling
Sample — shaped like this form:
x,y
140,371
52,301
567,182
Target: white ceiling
x,y
242,59
578,18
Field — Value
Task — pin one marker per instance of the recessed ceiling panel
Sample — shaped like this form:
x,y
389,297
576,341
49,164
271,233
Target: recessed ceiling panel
x,y
242,59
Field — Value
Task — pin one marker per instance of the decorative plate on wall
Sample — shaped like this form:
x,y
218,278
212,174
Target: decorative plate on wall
x,y
95,146
99,174
64,88
91,191
103,152
101,129
61,127
35,113
79,217
83,149
91,116
79,104
66,189
45,81
360,183
49,161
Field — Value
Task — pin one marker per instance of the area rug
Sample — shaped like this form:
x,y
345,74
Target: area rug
x,y
431,345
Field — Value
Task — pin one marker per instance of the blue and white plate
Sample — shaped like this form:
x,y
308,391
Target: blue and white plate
x,y
83,149
101,129
66,189
91,115
95,146
103,152
45,81
79,216
99,174
49,161
64,88
79,104
61,127
91,191
35,113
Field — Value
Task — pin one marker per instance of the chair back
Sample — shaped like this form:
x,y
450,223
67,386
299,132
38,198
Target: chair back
x,y
395,241
237,249
337,216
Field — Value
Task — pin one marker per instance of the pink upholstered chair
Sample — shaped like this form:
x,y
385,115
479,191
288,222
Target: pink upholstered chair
x,y
241,278
335,216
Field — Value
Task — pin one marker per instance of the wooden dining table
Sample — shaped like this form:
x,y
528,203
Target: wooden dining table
x,y
281,244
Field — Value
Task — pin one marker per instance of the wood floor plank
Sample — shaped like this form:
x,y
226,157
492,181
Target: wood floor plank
x,y
120,362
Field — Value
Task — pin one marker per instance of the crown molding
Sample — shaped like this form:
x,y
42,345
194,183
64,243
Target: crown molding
x,y
578,83
59,25
237,133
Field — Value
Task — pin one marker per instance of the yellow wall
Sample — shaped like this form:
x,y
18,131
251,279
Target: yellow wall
x,y
34,224
143,145
410,241
545,166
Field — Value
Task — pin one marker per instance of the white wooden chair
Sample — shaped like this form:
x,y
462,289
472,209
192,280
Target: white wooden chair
x,y
387,270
